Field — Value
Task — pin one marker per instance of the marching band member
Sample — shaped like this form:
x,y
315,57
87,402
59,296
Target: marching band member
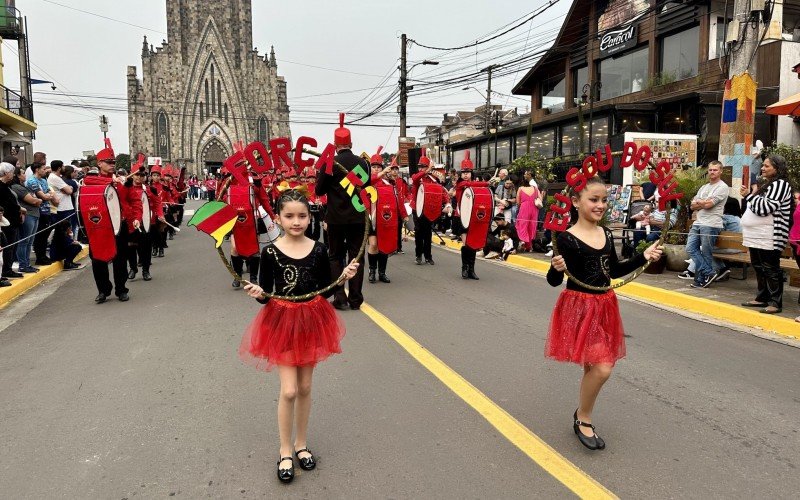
x,y
403,197
377,260
144,247
427,188
104,246
480,216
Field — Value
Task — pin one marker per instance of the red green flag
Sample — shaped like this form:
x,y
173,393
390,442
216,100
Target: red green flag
x,y
216,219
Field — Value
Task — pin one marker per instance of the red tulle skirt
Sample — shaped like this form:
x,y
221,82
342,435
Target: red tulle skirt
x,y
586,329
292,334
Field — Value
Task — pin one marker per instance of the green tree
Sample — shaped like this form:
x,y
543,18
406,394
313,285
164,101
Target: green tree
x,y
537,163
124,161
792,156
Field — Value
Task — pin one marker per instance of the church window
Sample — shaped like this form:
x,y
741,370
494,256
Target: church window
x,y
226,113
207,110
263,129
162,135
219,100
202,113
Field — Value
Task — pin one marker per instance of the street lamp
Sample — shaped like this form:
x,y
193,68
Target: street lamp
x,y
590,93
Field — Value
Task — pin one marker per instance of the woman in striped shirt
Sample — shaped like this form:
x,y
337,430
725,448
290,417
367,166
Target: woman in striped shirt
x,y
765,232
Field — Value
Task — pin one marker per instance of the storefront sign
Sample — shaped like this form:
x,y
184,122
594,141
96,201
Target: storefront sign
x,y
621,12
404,144
618,40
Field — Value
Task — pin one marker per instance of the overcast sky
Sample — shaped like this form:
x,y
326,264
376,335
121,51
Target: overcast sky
x,y
87,55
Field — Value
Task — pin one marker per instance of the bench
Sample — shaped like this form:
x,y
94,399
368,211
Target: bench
x,y
729,248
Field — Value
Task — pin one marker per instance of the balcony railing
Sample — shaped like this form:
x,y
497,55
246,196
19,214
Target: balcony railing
x,y
15,103
10,22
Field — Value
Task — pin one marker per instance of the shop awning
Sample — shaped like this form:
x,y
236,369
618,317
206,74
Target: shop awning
x,y
786,107
8,135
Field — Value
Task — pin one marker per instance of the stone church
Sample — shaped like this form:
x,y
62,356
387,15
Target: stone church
x,y
205,87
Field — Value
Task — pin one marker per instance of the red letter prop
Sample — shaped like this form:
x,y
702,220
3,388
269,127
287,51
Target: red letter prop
x,y
642,158
301,143
558,217
280,147
576,179
589,167
237,166
326,160
357,176
664,179
368,196
628,152
262,163
605,165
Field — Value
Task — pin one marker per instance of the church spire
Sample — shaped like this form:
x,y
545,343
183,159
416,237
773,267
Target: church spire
x,y
272,61
144,47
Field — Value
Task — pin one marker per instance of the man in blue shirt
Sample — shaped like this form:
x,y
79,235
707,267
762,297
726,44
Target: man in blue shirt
x,y
38,185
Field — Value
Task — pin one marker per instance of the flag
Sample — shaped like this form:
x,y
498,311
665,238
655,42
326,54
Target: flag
x,y
216,219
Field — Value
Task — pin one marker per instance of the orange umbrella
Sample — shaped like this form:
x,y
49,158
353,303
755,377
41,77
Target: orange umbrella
x,y
789,107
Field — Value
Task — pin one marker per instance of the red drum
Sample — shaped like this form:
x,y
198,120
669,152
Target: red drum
x,y
477,205
385,219
102,217
430,196
146,214
245,231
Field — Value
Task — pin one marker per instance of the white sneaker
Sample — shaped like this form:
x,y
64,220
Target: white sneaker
x,y
549,253
479,254
492,255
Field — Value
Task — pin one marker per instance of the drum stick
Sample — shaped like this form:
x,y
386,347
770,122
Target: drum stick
x,y
177,229
441,240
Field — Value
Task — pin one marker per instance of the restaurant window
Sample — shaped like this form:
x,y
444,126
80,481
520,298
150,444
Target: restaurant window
x,y
503,157
571,140
580,77
679,55
542,142
484,155
624,74
553,93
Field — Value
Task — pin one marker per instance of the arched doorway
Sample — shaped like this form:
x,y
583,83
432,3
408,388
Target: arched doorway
x,y
212,156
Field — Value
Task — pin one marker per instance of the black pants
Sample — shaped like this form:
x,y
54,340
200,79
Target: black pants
x,y
468,256
767,265
400,235
140,250
9,250
314,229
40,240
119,263
344,242
493,244
423,234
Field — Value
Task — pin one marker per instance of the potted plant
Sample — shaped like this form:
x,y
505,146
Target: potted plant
x,y
656,267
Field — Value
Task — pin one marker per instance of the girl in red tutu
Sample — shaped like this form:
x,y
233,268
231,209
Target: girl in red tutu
x,y
295,336
586,327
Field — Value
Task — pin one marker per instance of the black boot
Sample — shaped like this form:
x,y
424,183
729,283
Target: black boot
x,y
383,278
155,251
464,272
372,272
471,272
160,252
383,261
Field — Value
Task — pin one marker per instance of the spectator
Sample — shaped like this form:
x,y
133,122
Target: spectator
x,y
38,185
527,221
494,245
39,158
14,214
27,199
657,220
643,218
69,177
505,196
62,191
508,244
708,204
64,246
794,234
3,224
765,232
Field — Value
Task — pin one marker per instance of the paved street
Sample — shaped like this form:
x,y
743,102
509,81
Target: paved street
x,y
148,398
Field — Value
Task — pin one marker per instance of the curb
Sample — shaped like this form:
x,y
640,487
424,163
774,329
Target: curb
x,y
22,285
784,327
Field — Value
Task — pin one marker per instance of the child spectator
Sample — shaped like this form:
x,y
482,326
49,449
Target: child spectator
x,y
64,247
643,218
508,244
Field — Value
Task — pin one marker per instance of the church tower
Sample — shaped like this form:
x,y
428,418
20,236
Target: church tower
x,y
205,87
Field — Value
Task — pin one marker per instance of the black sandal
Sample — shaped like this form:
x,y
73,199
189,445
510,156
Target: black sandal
x,y
286,475
592,442
307,463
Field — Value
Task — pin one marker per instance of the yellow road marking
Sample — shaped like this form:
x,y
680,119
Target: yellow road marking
x,y
529,443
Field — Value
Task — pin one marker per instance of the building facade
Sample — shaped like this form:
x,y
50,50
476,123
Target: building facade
x,y
205,88
649,66
17,126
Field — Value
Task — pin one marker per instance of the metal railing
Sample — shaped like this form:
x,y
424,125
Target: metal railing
x,y
15,103
10,22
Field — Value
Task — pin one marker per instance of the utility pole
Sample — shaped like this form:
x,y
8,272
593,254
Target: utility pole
x,y
403,90
104,125
737,123
489,115
747,36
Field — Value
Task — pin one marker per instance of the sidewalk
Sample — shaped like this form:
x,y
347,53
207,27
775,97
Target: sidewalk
x,y
720,301
22,285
